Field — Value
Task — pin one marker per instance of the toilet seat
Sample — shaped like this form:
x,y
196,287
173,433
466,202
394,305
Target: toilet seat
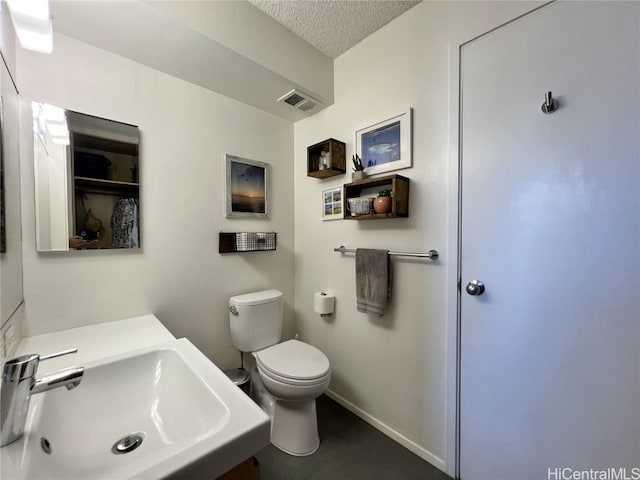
x,y
291,382
294,363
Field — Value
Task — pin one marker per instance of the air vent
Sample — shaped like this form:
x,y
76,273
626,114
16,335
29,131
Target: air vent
x,y
299,100
294,99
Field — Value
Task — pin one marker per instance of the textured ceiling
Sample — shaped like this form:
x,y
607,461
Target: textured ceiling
x,y
333,27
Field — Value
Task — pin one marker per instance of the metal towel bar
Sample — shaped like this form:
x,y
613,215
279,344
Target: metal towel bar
x,y
432,254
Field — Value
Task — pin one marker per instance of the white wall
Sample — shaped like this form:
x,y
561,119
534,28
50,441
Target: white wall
x,y
185,132
391,370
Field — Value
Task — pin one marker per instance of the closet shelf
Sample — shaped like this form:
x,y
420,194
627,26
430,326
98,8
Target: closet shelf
x,y
98,182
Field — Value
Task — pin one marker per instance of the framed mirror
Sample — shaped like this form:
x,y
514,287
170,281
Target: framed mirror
x,y
86,181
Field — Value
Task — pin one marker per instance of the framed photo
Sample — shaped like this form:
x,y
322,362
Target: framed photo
x,y
247,188
332,204
386,145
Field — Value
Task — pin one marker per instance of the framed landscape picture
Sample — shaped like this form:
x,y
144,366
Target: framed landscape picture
x,y
386,145
332,204
247,187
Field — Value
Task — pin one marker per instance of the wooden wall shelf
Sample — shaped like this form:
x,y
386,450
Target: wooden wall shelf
x,y
337,153
399,187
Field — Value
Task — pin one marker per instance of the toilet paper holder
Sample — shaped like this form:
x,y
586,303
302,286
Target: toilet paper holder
x,y
323,304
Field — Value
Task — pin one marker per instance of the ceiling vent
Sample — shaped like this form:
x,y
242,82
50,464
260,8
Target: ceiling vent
x,y
300,100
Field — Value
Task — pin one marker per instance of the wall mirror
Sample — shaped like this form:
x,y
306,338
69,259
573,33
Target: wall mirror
x,y
3,234
11,293
86,181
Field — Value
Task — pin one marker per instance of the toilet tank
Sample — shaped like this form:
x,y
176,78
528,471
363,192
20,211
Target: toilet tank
x,y
255,320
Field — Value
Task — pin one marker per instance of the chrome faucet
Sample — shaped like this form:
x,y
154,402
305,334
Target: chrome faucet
x,y
19,383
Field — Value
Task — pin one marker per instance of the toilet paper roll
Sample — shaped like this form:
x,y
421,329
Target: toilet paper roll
x,y
323,303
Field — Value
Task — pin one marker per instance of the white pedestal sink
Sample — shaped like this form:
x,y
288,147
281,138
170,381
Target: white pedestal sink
x,y
191,420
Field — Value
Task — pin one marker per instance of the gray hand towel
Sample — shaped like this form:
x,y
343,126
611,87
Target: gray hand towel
x,y
373,280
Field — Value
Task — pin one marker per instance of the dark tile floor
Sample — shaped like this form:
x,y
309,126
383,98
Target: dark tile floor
x,y
350,449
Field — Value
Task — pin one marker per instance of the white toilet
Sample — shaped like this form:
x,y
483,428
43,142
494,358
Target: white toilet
x,y
290,375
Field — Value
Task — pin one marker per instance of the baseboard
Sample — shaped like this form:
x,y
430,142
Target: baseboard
x,y
389,432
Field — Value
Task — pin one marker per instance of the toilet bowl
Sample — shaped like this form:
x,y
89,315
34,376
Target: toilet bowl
x,y
287,377
294,374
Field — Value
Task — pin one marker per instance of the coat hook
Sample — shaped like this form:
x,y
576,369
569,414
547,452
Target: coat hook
x,y
550,104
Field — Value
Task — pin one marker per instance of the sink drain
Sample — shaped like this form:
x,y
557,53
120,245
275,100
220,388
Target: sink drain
x,y
127,444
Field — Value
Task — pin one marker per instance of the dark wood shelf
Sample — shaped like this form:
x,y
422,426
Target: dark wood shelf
x,y
337,152
373,216
399,187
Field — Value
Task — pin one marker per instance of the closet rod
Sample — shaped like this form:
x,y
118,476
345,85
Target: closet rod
x,y
432,254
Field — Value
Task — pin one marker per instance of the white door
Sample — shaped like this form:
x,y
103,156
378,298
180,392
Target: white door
x,y
550,223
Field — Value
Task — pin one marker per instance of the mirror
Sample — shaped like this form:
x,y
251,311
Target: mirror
x,y
3,234
11,293
86,181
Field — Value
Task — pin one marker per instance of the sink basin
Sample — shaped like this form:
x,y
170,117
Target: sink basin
x,y
160,412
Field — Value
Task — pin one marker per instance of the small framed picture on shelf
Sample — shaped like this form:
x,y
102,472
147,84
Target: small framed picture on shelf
x,y
247,188
386,146
332,204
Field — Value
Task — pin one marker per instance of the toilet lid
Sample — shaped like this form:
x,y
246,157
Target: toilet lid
x,y
295,360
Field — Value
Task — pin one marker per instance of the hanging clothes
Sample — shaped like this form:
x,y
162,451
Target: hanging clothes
x,y
124,224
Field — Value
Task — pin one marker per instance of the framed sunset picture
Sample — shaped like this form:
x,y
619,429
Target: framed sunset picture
x,y
247,187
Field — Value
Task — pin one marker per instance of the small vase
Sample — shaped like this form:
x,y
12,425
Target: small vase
x,y
382,204
357,176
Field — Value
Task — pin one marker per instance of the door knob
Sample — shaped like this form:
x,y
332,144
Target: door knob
x,y
475,287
